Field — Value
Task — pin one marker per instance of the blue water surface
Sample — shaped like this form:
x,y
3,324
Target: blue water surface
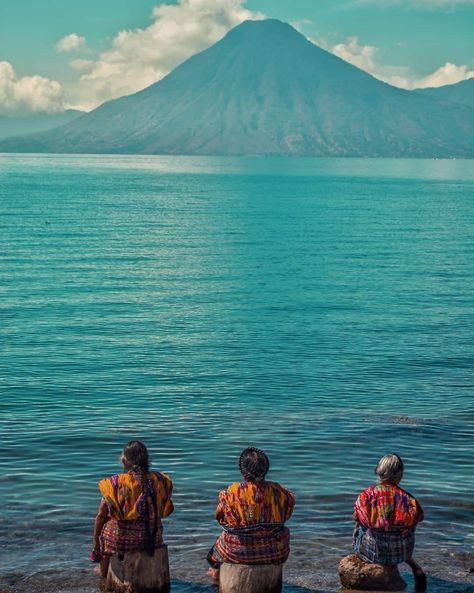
x,y
321,309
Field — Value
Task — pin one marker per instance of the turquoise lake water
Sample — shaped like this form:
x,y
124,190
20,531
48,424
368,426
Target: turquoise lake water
x,y
321,309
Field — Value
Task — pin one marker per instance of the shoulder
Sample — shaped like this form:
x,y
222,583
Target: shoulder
x,y
115,479
406,494
276,487
162,478
235,487
232,489
108,484
368,493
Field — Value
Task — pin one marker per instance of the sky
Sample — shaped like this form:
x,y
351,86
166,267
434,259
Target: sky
x,y
60,54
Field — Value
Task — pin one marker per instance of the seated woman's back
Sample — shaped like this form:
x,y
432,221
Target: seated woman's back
x,y
132,506
125,495
250,503
386,517
387,507
253,514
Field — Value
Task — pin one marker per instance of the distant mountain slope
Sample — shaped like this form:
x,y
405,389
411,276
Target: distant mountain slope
x,y
265,89
461,92
37,122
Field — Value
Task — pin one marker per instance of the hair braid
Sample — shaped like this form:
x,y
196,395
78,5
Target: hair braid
x,y
136,455
149,537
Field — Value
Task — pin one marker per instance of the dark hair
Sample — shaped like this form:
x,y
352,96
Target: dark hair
x,y
137,460
136,456
253,464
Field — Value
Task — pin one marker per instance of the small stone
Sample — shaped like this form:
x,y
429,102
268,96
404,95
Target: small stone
x,y
357,574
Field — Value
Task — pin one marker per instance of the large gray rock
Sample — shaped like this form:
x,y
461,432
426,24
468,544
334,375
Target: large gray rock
x,y
357,574
242,578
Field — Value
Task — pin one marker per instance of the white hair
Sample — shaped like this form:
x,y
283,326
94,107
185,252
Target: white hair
x,y
390,468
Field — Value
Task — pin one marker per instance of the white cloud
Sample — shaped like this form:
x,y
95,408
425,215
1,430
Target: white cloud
x,y
82,65
28,93
71,42
365,57
447,74
300,24
140,57
362,56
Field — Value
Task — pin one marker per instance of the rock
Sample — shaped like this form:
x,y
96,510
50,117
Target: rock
x,y
244,578
357,574
138,572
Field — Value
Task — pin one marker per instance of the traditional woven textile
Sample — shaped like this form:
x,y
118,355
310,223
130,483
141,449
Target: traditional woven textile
x,y
252,545
126,501
129,509
253,516
249,503
386,517
384,547
119,537
388,508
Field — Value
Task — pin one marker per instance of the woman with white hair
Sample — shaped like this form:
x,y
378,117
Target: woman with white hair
x,y
386,517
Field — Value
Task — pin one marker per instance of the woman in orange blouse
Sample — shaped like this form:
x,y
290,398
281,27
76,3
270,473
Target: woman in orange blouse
x,y
252,514
132,506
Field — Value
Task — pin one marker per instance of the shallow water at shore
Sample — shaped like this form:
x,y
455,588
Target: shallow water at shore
x,y
447,573
321,309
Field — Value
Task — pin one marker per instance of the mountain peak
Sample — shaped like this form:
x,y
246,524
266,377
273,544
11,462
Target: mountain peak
x,y
263,25
264,30
265,88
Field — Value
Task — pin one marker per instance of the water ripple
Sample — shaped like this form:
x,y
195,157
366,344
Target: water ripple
x,y
324,315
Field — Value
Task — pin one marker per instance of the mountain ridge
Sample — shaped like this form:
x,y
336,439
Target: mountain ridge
x,y
460,92
21,125
266,89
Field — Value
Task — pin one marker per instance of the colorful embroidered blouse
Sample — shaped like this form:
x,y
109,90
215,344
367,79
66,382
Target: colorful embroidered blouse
x,y
247,503
126,501
388,508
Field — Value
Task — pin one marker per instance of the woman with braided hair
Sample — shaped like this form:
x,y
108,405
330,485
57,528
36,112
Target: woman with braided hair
x,y
132,506
252,514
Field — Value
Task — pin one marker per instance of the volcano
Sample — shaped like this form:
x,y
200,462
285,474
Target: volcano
x,y
266,89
